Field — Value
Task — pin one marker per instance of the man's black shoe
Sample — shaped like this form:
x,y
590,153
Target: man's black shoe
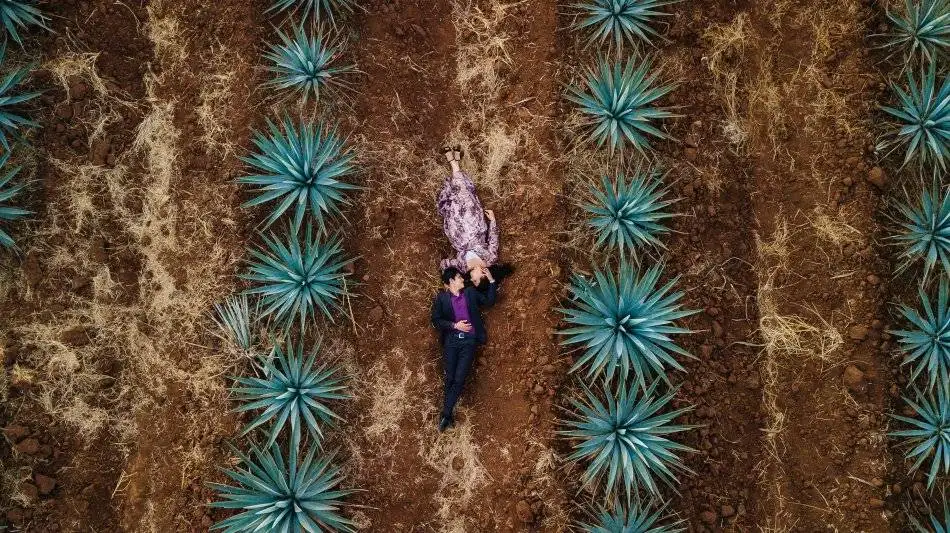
x,y
444,423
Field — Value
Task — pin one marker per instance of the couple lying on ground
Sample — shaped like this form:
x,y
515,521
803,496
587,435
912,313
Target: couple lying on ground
x,y
470,279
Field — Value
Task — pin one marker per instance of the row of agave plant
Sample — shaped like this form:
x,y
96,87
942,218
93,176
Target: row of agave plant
x,y
920,117
622,320
15,16
295,277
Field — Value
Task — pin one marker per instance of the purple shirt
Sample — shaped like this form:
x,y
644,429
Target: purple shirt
x,y
459,307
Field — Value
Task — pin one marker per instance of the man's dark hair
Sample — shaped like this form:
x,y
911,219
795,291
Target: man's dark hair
x,y
449,274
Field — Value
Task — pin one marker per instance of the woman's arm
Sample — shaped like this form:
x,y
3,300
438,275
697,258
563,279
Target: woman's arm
x,y
492,239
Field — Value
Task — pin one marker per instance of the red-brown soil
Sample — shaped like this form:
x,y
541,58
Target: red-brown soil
x,y
804,155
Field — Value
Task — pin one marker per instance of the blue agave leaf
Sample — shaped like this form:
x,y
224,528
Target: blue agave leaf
x,y
617,104
301,167
10,120
633,518
926,344
938,524
922,116
306,63
626,215
928,434
8,191
297,277
625,323
924,231
19,14
272,494
235,317
292,390
619,22
623,437
319,9
922,30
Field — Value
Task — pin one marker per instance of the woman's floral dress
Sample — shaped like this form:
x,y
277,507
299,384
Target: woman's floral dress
x,y
464,223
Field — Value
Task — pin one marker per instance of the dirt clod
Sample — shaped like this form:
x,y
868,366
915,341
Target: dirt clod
x,y
45,484
858,332
708,517
28,447
15,432
876,177
853,379
524,512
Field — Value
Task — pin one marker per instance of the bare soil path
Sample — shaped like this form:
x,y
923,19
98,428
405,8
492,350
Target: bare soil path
x,y
810,88
484,474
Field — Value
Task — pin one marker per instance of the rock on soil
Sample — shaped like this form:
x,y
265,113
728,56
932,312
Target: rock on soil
x,y
853,379
876,177
46,484
28,447
524,512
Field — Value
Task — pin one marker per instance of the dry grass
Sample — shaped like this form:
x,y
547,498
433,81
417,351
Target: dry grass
x,y
726,49
454,457
216,97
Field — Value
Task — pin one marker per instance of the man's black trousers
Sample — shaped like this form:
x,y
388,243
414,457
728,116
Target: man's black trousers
x,y
457,357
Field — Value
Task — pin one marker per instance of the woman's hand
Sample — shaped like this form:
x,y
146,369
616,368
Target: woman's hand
x,y
475,263
490,215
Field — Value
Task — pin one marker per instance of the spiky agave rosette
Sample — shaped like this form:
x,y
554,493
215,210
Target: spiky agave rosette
x,y
926,344
307,62
937,523
924,232
622,434
620,22
20,14
10,118
921,31
292,390
624,322
300,166
616,102
277,495
928,433
628,214
298,277
922,114
319,10
9,191
633,517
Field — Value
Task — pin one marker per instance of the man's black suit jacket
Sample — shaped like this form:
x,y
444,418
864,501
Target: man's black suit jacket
x,y
443,316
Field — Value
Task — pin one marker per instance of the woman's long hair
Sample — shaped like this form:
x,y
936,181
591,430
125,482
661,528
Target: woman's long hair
x,y
499,271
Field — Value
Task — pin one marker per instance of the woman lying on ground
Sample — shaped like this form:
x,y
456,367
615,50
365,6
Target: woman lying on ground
x,y
472,230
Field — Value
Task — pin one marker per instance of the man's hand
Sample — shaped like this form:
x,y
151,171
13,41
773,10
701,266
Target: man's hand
x,y
490,215
464,326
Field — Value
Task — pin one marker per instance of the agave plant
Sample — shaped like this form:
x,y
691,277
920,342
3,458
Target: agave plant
x,y
624,439
302,167
18,14
923,117
633,518
937,524
306,63
320,9
293,390
297,278
617,104
927,345
929,433
617,22
628,214
925,230
235,318
10,120
8,191
624,323
274,495
922,30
